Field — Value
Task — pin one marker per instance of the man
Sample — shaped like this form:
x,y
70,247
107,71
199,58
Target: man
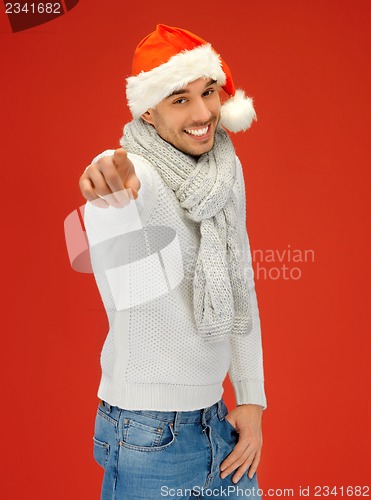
x,y
166,226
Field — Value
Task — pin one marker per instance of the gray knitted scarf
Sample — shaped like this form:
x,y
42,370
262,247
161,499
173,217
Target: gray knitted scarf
x,y
203,187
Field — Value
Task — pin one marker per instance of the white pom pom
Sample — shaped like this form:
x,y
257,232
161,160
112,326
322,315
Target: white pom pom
x,y
238,112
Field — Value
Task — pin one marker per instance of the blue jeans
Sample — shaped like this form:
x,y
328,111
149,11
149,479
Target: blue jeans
x,y
155,454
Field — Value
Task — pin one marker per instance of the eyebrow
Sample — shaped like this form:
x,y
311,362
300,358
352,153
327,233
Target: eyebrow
x,y
184,91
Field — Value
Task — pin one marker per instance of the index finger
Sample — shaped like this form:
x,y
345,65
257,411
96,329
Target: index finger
x,y
235,454
111,176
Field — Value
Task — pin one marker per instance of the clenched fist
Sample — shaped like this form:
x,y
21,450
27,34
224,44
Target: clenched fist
x,y
110,181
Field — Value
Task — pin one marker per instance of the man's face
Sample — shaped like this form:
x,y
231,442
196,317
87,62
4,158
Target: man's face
x,y
187,119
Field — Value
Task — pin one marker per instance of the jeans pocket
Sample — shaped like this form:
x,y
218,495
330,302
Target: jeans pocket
x,y
101,452
230,425
147,434
224,415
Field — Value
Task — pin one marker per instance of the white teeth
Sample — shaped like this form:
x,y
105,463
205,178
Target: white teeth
x,y
199,132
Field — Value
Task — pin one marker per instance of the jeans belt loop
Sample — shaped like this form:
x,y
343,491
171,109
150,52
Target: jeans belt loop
x,y
105,405
220,410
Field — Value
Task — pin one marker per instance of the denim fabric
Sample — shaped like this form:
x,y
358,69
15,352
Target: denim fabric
x,y
154,454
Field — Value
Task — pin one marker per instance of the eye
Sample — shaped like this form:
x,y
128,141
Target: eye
x,y
208,92
180,101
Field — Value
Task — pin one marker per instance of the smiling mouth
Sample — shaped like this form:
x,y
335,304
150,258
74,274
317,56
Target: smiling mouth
x,y
198,133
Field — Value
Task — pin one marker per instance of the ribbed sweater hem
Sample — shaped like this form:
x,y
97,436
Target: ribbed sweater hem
x,y
250,392
159,397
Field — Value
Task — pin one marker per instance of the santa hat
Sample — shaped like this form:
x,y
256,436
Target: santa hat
x,y
170,58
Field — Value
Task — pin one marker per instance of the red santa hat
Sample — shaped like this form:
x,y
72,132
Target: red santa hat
x,y
170,58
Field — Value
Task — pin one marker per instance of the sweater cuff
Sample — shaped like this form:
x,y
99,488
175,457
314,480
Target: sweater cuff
x,y
250,392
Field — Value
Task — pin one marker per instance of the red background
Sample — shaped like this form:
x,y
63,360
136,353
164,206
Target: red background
x,y
306,164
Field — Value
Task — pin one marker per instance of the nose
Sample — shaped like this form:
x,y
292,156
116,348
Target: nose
x,y
200,112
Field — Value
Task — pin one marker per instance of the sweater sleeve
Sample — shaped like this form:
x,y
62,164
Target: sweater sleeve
x,y
246,369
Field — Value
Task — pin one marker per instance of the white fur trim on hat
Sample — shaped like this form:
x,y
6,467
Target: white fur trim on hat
x,y
148,88
238,112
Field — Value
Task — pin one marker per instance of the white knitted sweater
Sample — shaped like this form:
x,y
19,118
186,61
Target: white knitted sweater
x,y
153,357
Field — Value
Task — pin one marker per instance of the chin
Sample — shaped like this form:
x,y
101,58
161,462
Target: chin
x,y
198,150
202,151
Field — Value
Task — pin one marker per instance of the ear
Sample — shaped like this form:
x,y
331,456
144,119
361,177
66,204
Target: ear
x,y
148,116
